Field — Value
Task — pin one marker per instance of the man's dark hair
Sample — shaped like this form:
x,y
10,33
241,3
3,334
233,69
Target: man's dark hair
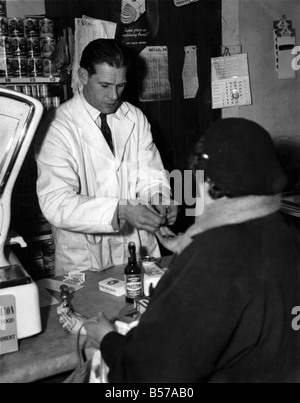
x,y
102,51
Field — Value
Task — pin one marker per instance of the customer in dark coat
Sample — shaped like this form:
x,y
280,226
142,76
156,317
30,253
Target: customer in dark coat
x,y
223,311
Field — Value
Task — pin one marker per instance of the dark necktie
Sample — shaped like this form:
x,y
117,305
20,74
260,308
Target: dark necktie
x,y
106,131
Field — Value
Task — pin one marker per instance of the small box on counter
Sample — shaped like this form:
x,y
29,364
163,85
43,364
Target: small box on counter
x,y
112,286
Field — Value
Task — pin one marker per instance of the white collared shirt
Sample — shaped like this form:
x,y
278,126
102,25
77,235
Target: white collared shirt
x,y
93,112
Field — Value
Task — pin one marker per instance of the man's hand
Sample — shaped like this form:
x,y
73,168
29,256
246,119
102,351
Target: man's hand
x,y
172,213
141,217
165,207
160,204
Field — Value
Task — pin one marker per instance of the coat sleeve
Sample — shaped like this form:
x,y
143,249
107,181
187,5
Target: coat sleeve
x,y
58,187
186,327
152,177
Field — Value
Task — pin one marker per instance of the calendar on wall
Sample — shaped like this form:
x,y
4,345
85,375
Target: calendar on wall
x,y
230,81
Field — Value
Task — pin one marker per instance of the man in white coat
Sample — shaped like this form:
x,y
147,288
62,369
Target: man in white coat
x,y
101,182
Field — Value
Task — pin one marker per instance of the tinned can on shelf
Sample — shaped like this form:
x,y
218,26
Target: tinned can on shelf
x,y
47,102
3,68
48,251
10,67
2,8
17,88
19,47
35,91
56,102
31,27
26,89
47,46
46,28
35,67
3,26
44,90
6,67
16,27
20,66
33,47
5,46
50,69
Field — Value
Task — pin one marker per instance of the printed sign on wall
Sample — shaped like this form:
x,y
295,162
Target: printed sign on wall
x,y
284,42
154,74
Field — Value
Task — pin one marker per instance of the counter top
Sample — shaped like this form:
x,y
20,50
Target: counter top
x,y
53,351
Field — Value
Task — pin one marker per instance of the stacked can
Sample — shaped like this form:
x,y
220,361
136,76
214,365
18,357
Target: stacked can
x,y
5,48
18,46
26,47
32,33
48,250
47,45
2,8
6,62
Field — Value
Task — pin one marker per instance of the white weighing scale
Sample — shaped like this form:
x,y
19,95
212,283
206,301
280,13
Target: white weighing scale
x,y
19,119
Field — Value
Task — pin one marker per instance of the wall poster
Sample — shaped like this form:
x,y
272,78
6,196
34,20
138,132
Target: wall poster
x,y
140,23
153,70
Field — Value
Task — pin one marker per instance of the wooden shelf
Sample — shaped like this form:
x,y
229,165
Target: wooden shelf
x,y
30,80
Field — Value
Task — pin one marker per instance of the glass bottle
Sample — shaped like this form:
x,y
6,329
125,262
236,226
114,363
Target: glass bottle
x,y
133,276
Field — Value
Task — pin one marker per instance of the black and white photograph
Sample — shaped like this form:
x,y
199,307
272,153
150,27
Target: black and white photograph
x,y
150,194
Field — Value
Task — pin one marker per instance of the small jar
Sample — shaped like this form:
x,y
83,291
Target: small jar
x,y
147,262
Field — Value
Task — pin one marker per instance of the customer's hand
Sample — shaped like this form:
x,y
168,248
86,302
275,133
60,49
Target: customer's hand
x,y
168,239
98,330
143,217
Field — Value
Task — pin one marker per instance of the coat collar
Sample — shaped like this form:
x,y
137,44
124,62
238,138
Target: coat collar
x,y
121,112
226,211
121,130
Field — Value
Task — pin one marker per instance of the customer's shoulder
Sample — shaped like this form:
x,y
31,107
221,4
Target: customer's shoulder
x,y
241,236
224,240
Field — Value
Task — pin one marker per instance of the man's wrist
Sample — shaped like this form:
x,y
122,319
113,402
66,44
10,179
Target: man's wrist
x,y
161,199
122,207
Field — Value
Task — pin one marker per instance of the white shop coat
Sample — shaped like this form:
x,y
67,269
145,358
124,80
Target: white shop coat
x,y
80,183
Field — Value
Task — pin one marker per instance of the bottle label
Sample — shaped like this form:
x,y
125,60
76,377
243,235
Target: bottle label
x,y
133,286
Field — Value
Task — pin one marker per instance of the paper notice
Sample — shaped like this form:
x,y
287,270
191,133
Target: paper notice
x,y
190,73
154,74
230,81
86,30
